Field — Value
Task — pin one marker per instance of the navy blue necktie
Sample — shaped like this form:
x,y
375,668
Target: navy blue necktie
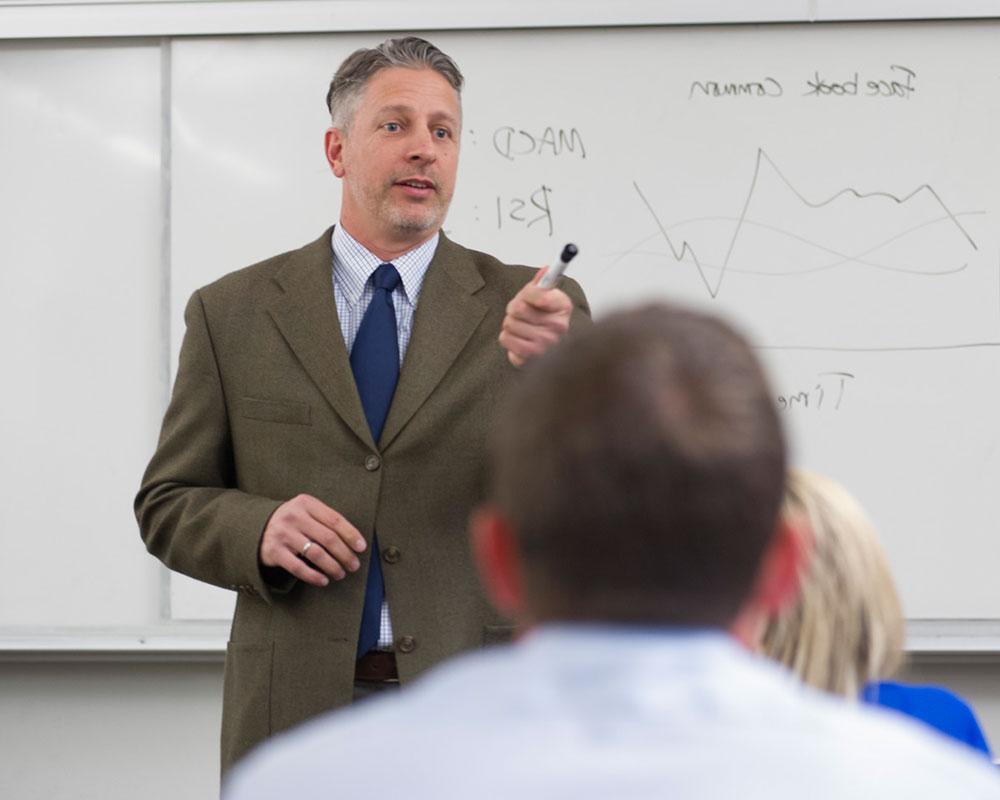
x,y
375,364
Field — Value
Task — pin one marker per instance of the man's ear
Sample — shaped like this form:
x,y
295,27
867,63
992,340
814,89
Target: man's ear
x,y
778,579
781,568
334,146
495,549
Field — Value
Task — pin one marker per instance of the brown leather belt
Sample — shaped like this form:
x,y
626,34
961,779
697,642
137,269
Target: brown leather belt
x,y
376,666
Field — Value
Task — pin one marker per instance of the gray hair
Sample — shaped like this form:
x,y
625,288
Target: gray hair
x,y
410,52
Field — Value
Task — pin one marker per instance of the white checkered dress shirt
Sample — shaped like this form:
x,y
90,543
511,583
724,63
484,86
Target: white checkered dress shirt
x,y
353,266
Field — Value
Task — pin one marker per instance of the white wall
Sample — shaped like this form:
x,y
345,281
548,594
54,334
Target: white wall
x,y
119,731
110,731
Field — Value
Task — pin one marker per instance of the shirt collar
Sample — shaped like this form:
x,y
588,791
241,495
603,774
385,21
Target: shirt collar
x,y
353,264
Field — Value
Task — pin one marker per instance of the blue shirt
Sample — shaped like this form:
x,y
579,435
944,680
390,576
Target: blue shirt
x,y
353,265
939,708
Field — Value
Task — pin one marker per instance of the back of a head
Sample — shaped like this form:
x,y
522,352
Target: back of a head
x,y
641,465
847,627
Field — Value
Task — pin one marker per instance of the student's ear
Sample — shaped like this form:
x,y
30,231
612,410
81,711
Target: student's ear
x,y
495,549
781,569
778,579
334,145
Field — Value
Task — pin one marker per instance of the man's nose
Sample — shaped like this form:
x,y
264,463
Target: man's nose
x,y
421,147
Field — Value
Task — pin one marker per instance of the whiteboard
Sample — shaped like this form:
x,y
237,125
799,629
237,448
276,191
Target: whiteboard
x,y
81,312
136,171
830,188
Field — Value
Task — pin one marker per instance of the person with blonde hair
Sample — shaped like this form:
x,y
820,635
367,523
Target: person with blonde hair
x,y
846,633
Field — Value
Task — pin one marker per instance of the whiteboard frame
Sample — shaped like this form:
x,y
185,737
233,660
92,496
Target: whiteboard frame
x,y
36,19
936,641
180,641
32,19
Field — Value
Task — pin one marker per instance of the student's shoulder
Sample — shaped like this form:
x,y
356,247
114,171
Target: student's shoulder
x,y
896,751
924,702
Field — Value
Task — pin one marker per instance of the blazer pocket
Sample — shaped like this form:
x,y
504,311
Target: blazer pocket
x,y
290,412
246,702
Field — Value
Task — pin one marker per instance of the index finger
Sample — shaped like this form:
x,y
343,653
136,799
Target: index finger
x,y
547,300
337,523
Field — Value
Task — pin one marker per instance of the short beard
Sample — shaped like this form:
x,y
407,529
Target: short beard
x,y
410,223
420,219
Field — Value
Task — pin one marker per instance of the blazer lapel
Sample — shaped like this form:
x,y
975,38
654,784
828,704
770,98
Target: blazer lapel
x,y
447,314
306,315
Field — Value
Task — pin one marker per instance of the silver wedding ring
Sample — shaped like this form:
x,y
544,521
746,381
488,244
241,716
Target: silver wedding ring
x,y
305,548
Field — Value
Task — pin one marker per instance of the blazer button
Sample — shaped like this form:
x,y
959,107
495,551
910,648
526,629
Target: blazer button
x,y
407,644
391,554
372,463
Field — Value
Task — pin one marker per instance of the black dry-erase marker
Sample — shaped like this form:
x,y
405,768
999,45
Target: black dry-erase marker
x,y
555,272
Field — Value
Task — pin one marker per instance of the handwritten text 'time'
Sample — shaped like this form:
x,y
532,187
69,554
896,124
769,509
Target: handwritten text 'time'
x,y
512,143
897,82
826,395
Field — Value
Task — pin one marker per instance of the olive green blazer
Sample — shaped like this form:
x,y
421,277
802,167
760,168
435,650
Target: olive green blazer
x,y
264,407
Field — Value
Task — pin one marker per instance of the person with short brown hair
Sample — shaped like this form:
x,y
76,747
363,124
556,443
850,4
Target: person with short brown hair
x,y
633,530
663,426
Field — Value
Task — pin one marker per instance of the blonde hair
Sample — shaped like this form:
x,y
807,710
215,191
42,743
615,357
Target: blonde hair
x,y
847,628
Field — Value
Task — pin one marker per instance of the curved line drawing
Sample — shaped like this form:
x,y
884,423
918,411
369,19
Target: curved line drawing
x,y
864,195
713,291
812,270
901,349
843,258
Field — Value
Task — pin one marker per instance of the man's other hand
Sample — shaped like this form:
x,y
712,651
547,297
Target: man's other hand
x,y
536,319
310,540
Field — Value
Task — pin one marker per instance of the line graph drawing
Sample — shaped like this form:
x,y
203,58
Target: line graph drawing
x,y
842,258
944,217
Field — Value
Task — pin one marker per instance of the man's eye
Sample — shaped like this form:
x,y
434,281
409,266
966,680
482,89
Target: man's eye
x,y
392,127
442,133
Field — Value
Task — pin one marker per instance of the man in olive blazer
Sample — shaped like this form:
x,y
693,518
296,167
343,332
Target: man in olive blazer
x,y
265,417
264,408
